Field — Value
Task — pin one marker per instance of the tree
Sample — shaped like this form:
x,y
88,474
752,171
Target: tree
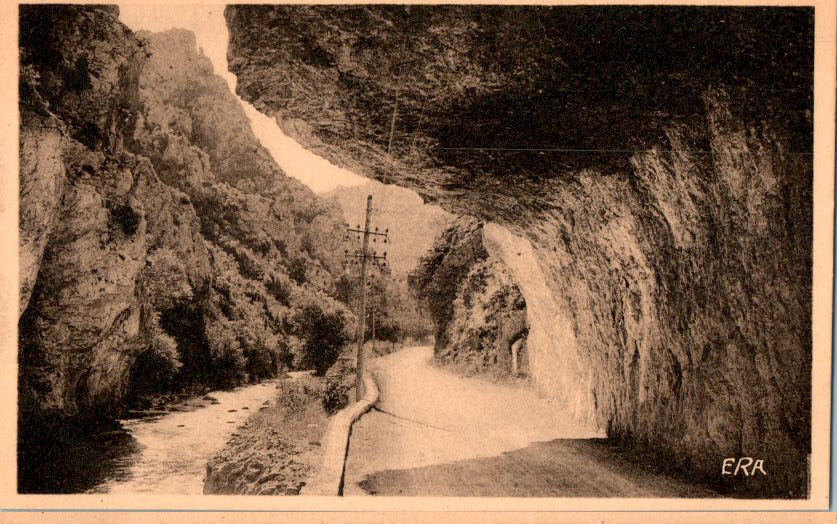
x,y
228,361
344,290
297,269
323,334
155,367
259,349
280,291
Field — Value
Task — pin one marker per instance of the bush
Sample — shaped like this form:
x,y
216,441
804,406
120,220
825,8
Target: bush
x,y
258,350
127,218
297,269
285,353
167,280
164,348
247,266
344,290
340,384
278,289
228,361
154,369
323,334
295,395
281,246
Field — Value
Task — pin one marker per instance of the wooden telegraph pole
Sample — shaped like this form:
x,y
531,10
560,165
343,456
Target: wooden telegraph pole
x,y
364,256
361,360
372,308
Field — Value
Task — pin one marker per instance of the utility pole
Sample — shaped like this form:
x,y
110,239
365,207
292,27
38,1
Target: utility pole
x,y
361,369
363,256
401,322
372,309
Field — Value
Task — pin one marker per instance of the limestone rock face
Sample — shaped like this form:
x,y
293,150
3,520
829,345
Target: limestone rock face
x,y
151,220
477,308
665,192
83,222
90,293
489,317
42,179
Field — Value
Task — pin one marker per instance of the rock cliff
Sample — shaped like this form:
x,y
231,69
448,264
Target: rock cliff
x,y
413,226
160,245
89,210
656,160
478,310
274,244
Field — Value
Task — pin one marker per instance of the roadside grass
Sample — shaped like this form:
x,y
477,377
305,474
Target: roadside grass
x,y
279,448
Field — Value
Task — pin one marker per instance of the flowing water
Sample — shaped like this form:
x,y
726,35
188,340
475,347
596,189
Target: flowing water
x,y
167,453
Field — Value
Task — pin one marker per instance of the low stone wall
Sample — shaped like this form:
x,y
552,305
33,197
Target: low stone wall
x,y
329,479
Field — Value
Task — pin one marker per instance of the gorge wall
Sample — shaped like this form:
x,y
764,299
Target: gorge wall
x,y
657,160
87,205
478,310
161,247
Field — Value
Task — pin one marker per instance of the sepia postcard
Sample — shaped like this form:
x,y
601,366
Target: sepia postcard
x,y
417,257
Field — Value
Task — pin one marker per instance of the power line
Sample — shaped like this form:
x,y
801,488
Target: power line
x,y
580,150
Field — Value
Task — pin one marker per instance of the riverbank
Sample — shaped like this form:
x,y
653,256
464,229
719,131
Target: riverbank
x,y
279,448
160,447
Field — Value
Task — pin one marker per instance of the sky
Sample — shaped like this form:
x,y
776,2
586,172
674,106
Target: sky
x,y
210,28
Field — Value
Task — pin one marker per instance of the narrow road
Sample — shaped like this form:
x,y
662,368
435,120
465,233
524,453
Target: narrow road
x,y
435,433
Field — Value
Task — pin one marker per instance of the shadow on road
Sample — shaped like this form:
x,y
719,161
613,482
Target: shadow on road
x,y
558,468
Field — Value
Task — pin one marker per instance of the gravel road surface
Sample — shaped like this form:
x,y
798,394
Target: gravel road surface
x,y
435,433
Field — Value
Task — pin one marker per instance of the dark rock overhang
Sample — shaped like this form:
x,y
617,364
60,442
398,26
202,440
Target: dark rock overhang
x,y
452,100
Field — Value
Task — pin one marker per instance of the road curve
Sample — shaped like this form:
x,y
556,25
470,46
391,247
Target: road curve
x,y
434,433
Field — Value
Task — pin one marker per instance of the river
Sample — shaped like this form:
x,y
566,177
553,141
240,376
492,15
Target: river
x,y
167,453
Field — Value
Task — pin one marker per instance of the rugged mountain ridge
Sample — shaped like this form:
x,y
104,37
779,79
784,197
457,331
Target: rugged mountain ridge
x,y
412,225
86,256
274,243
658,160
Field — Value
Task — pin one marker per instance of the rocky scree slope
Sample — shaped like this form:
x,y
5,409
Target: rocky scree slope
x,y
658,160
160,246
